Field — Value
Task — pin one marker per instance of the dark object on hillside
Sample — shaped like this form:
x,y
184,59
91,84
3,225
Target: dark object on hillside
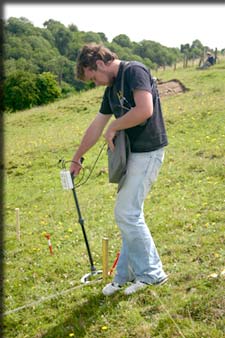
x,y
170,87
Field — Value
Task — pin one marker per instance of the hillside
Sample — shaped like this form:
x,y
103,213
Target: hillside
x,y
185,212
39,62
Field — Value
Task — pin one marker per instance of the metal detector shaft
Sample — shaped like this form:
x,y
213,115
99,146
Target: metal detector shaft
x,y
81,221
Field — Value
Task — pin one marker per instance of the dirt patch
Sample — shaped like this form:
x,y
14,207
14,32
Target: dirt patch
x,y
170,87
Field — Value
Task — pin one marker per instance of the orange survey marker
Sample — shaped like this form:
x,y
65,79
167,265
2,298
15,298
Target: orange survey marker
x,y
114,264
49,243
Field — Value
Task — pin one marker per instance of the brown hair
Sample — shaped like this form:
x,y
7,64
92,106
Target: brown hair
x,y
88,56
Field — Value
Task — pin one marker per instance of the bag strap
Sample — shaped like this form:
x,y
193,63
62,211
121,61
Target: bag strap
x,y
152,79
121,93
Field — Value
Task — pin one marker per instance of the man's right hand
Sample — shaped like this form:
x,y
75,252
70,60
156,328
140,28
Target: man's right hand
x,y
75,167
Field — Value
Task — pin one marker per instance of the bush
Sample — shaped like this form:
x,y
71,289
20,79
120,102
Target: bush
x,y
23,90
47,87
66,89
20,91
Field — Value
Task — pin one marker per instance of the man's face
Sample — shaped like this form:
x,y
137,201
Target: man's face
x,y
101,76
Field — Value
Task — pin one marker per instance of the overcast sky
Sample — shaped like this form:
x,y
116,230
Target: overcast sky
x,y
169,24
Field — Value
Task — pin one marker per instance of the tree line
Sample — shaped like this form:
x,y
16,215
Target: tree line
x,y
39,63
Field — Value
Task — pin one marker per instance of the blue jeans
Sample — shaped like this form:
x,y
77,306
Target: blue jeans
x,y
139,259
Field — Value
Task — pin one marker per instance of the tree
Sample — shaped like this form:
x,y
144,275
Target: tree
x,y
57,66
186,51
34,48
197,49
74,45
12,65
21,26
73,28
175,56
61,34
192,52
17,47
122,40
103,37
89,37
47,35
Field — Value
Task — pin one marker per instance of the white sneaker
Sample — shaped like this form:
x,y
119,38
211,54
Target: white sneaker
x,y
141,285
135,287
162,281
111,288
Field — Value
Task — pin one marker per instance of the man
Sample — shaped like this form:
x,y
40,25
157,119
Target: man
x,y
210,59
139,263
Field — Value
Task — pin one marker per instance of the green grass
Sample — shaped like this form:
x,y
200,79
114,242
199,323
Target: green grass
x,y
185,212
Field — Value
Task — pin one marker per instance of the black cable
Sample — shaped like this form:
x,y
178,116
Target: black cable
x,y
80,182
91,171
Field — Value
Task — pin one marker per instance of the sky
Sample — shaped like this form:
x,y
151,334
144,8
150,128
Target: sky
x,y
169,24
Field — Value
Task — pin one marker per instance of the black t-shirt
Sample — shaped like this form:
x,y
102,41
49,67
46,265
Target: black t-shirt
x,y
150,135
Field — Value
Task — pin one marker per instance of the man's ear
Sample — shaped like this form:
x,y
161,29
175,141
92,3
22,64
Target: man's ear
x,y
100,65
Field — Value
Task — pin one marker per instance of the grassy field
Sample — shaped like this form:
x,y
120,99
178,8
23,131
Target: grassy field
x,y
185,212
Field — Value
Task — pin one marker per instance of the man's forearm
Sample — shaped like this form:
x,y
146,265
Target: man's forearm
x,y
91,135
88,141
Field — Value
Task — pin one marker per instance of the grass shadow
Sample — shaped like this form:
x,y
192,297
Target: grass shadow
x,y
86,314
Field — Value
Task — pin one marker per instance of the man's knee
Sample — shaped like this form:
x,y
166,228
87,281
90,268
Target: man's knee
x,y
125,216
